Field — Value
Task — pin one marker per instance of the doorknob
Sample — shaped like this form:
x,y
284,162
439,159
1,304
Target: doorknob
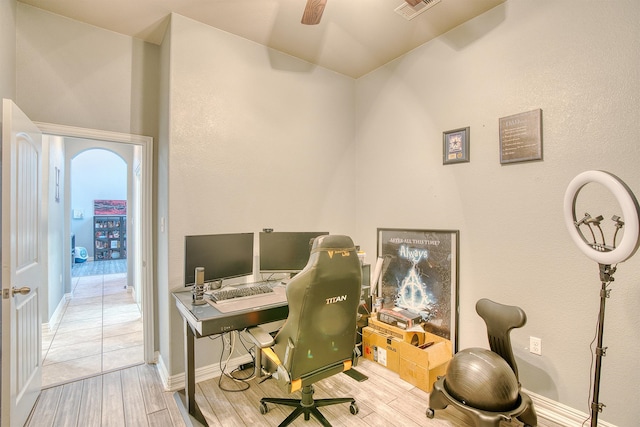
x,y
13,291
22,291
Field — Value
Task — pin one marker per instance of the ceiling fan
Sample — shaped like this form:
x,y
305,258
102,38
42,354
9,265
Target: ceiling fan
x,y
313,12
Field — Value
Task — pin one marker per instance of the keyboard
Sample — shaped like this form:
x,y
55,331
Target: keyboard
x,y
233,292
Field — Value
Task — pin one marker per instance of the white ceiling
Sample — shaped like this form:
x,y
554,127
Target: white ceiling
x,y
353,38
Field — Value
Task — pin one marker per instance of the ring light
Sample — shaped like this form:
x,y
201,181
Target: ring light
x,y
604,255
630,213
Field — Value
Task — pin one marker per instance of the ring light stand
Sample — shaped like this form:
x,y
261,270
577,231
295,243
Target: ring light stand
x,y
604,254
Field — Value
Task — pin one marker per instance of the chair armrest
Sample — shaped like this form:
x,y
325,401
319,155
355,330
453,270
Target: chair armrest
x,y
264,341
260,337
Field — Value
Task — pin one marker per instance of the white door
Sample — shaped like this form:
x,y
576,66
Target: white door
x,y
23,248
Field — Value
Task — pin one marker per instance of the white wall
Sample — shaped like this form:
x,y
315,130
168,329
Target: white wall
x,y
257,139
576,60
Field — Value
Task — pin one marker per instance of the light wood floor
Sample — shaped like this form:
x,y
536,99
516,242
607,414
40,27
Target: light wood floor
x,y
135,397
129,397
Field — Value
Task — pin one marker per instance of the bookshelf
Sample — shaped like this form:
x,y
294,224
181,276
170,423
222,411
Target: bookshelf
x,y
110,237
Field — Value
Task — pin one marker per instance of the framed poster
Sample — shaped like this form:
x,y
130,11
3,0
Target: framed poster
x,y
455,146
420,274
109,207
521,137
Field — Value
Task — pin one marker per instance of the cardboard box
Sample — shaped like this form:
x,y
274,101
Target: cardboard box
x,y
413,336
420,367
380,348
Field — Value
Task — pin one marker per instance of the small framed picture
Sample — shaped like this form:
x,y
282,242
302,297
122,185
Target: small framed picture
x,y
455,146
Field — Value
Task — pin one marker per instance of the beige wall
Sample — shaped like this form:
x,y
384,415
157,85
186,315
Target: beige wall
x,y
576,60
57,260
8,49
161,237
257,139
79,75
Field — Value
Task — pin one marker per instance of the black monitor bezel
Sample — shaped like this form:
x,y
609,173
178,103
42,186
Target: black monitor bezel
x,y
211,270
301,236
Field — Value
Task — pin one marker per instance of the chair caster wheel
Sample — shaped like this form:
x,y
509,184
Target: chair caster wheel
x,y
431,413
353,408
263,408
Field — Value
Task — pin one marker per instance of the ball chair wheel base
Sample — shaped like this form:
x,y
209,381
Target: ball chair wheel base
x,y
524,411
430,413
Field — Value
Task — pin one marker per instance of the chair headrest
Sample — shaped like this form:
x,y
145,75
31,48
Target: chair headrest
x,y
332,241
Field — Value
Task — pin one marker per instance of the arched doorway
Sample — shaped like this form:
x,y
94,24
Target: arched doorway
x,y
66,143
100,328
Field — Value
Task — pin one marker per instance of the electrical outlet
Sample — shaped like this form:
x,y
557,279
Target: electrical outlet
x,y
535,345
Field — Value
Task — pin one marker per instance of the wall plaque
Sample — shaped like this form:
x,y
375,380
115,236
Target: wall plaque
x,y
521,137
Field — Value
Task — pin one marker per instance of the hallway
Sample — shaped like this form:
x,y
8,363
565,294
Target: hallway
x,y
100,330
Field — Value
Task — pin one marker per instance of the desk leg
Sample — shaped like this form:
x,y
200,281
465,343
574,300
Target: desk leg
x,y
190,375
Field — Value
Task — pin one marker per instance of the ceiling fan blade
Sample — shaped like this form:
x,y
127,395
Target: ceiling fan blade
x,y
313,12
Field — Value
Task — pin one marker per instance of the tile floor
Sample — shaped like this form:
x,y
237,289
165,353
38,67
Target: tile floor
x,y
100,330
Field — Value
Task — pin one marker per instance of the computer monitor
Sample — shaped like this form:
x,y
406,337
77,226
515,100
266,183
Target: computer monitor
x,y
223,256
285,252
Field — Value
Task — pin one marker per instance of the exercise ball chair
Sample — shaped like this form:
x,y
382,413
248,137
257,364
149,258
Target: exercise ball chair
x,y
484,384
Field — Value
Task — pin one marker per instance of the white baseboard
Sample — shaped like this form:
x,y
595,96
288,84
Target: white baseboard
x,y
560,414
545,408
162,371
56,317
176,382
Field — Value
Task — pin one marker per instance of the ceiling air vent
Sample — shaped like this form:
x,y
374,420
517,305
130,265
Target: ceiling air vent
x,y
412,8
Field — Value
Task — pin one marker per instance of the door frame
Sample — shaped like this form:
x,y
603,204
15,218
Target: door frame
x,y
146,215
